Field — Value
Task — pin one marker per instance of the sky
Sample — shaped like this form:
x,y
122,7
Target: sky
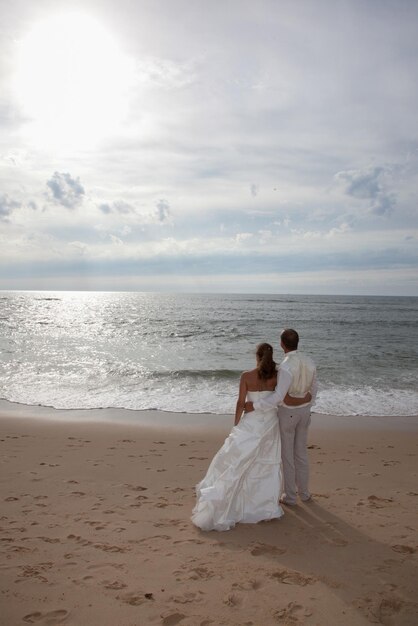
x,y
263,146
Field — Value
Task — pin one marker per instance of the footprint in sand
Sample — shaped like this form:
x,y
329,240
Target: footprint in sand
x,y
150,541
288,577
186,598
115,585
201,573
80,540
83,581
93,523
139,501
161,505
382,610
378,503
247,585
388,608
50,619
404,549
109,548
95,566
232,599
135,598
172,619
171,522
260,549
293,613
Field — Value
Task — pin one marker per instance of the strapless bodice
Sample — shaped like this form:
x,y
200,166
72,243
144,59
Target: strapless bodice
x,y
255,395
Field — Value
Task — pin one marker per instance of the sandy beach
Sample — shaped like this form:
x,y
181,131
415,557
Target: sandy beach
x,y
95,525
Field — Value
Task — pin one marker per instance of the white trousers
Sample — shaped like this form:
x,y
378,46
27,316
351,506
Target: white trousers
x,y
294,424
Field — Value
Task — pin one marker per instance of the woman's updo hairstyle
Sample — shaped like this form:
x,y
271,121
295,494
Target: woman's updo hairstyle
x,y
266,366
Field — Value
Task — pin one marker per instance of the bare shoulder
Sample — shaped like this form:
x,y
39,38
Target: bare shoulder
x,y
249,376
251,379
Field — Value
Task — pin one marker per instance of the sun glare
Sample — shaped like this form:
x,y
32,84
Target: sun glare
x,y
72,81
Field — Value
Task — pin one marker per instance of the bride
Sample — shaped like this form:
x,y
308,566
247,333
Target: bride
x,y
244,480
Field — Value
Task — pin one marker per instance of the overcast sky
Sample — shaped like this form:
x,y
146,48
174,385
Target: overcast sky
x,y
188,145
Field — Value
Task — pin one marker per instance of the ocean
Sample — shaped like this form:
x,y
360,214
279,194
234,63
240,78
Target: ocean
x,y
185,352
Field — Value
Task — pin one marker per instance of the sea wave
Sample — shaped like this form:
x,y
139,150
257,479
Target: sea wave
x,y
205,395
185,353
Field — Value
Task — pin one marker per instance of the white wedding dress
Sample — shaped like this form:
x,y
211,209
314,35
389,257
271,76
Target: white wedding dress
x,y
244,480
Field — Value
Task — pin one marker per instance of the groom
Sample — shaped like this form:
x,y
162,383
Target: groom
x,y
297,376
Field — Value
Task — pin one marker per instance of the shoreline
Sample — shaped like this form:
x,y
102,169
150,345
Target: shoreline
x,y
95,526
174,420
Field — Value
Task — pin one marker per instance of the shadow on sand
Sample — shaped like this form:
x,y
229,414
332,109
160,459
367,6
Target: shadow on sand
x,y
311,544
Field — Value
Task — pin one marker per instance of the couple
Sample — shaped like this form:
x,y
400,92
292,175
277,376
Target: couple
x,y
244,480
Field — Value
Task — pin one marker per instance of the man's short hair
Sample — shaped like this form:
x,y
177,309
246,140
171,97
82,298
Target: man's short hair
x,y
290,339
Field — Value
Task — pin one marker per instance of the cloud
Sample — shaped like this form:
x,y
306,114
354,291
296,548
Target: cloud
x,y
362,184
119,206
369,184
116,240
165,73
160,214
66,190
105,208
242,237
163,210
7,206
231,141
79,246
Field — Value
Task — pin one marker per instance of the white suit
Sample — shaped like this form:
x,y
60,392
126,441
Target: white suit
x,y
297,376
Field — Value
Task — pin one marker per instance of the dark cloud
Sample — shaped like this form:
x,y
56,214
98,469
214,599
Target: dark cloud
x,y
368,184
66,190
7,206
163,210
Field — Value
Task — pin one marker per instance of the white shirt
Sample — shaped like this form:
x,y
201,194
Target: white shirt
x,y
276,397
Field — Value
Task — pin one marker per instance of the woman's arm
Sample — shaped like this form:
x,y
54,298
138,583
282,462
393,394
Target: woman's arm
x,y
292,401
242,394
